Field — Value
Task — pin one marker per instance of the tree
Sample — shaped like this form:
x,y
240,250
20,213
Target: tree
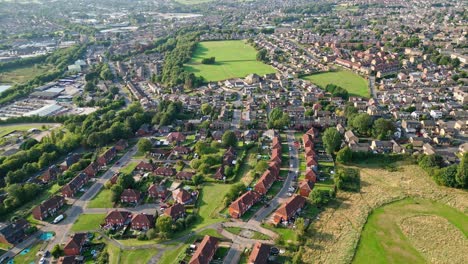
x,y
144,145
229,139
344,155
197,179
300,227
331,139
164,224
206,109
126,181
278,119
116,192
348,179
262,55
462,172
319,197
362,123
56,251
383,129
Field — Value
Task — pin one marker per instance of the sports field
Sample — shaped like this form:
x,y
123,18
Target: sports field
x,y
233,59
353,83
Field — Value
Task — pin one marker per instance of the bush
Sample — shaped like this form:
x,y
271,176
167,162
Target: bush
x,y
211,60
348,179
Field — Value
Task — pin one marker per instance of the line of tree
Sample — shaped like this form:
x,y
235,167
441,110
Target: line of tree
x,y
337,91
451,176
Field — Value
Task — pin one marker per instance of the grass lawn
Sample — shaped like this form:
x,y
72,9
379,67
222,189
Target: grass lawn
x,y
353,83
87,222
384,240
288,235
209,202
233,59
29,257
211,232
129,168
24,74
101,200
114,252
137,256
4,130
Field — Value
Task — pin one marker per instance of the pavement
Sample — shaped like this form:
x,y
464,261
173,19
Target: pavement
x,y
372,86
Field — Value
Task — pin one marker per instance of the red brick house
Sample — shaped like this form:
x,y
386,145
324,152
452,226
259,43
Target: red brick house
x,y
181,196
265,182
180,150
117,218
145,166
219,174
311,162
75,244
50,174
158,191
163,171
107,157
205,251
142,222
260,253
310,175
175,137
71,188
176,211
243,204
289,209
130,196
185,175
92,169
305,187
48,207
307,139
121,145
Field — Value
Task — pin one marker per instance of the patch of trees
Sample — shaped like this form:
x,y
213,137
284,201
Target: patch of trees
x,y
348,179
337,91
455,176
234,192
332,140
262,55
229,139
23,62
321,197
168,112
210,60
278,119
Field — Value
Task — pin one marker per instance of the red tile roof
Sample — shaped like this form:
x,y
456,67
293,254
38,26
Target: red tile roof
x,y
260,254
205,251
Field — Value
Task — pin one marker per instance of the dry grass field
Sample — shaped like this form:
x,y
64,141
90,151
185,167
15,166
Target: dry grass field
x,y
338,231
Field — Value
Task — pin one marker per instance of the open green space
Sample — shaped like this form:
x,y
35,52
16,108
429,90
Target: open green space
x,y
234,59
137,256
209,203
5,130
129,168
88,222
30,257
287,234
23,74
384,241
102,200
352,82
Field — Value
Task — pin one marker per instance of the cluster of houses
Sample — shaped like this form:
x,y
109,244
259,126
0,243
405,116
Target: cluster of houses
x,y
242,204
14,232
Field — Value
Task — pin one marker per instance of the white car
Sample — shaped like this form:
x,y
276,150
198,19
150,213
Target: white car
x,y
291,166
289,194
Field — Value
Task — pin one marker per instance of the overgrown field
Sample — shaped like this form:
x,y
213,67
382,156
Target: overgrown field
x,y
24,74
233,59
338,230
353,83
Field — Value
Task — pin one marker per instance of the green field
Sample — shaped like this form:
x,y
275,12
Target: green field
x,y
101,200
88,222
233,59
138,256
384,241
209,202
353,83
4,130
22,75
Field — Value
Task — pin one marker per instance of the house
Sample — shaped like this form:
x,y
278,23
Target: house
x,y
310,175
381,146
144,166
181,196
260,253
92,169
219,174
205,251
121,145
144,130
70,260
289,209
158,191
48,207
14,232
349,136
243,204
142,221
184,175
175,137
50,174
305,187
71,188
130,196
463,148
75,245
428,149
410,126
176,211
265,182
359,147
180,150
107,157
117,218
164,171
70,160
250,135
442,141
